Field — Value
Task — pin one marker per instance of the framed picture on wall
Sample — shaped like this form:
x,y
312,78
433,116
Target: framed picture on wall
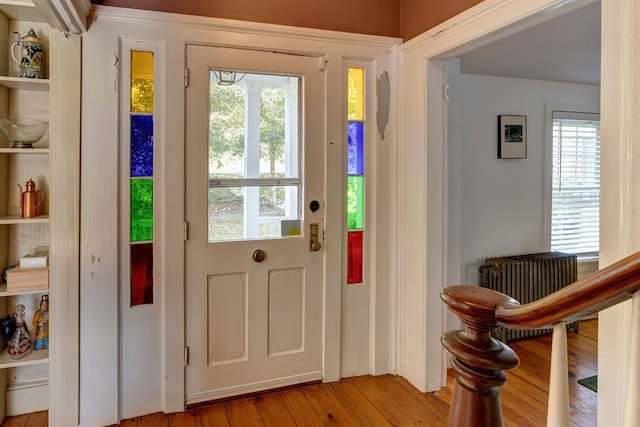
x,y
512,137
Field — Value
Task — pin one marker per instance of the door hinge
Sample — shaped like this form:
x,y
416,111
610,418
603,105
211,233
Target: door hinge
x,y
445,92
186,356
186,77
186,230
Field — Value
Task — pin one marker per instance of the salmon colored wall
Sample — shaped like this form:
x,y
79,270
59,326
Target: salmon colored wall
x,y
378,17
396,18
417,16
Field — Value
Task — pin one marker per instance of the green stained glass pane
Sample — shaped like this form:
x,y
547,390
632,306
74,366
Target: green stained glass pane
x,y
355,202
141,210
142,82
355,94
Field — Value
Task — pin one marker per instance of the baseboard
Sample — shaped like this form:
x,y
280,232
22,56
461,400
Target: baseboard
x,y
27,397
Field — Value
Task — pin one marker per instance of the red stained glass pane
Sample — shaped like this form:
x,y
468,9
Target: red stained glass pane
x,y
142,274
354,257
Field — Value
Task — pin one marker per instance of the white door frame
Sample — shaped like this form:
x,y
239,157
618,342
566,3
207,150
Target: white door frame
x,y
99,297
422,185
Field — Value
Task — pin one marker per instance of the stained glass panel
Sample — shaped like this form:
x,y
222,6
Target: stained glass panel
x,y
354,257
141,145
142,274
355,95
142,82
355,155
355,202
141,210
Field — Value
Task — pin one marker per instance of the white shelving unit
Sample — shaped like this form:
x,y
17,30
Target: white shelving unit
x,y
50,379
22,97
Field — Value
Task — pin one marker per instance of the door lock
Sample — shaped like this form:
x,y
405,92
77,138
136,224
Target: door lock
x,y
314,241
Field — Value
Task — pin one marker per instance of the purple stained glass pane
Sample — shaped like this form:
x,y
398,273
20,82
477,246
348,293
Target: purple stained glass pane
x,y
355,156
141,145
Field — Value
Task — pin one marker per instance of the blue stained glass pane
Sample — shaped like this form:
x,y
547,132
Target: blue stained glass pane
x,y
141,145
355,157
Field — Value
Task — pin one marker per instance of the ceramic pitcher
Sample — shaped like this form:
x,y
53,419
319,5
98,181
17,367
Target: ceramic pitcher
x,y
31,61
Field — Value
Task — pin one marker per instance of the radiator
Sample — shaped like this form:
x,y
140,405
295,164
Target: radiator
x,y
527,278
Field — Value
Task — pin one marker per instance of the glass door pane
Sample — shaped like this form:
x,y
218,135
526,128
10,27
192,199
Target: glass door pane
x,y
254,155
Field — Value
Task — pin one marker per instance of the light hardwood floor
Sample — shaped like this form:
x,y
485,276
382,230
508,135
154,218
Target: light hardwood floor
x,y
391,401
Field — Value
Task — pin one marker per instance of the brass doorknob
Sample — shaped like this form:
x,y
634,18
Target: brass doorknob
x,y
315,246
258,255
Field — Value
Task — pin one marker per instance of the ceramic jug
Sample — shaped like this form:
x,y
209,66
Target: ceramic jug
x,y
31,61
30,199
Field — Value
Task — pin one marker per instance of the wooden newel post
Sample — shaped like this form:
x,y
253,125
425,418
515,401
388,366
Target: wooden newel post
x,y
478,358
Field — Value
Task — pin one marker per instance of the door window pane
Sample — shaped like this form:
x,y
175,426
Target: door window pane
x,y
254,140
252,212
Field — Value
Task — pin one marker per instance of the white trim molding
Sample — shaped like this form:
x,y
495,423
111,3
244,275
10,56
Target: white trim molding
x,y
68,16
108,26
422,211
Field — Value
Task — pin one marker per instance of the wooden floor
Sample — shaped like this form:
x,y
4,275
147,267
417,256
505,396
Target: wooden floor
x,y
389,400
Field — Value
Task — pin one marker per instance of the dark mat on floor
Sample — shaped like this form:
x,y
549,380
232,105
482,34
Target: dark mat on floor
x,y
590,382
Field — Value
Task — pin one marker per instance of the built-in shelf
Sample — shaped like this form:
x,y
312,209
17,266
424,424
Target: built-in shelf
x,y
22,83
33,150
34,358
19,220
5,293
22,10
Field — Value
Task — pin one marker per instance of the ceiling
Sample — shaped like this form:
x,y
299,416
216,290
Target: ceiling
x,y
564,49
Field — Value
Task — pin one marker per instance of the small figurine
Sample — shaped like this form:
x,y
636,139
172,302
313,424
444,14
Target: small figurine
x,y
20,343
41,325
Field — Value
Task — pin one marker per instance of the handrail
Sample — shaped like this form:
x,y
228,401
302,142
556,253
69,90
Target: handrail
x,y
480,359
598,291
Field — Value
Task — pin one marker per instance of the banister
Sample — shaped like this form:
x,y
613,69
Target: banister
x,y
480,359
598,291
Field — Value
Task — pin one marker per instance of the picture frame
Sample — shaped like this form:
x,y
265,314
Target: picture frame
x,y
512,137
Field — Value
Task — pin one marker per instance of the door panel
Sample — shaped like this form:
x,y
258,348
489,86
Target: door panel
x,y
254,163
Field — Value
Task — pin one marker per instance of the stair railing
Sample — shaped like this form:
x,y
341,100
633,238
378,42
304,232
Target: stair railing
x,y
480,360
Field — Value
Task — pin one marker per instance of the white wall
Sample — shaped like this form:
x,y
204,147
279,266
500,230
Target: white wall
x,y
497,206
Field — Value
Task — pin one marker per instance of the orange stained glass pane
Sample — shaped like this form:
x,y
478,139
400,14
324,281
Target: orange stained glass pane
x,y
356,93
142,81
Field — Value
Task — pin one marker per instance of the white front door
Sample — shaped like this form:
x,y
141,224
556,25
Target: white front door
x,y
254,176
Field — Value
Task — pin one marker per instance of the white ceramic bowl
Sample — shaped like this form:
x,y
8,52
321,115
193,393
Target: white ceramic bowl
x,y
23,132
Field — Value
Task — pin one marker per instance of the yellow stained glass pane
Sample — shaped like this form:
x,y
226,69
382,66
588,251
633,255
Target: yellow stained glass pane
x,y
356,93
141,82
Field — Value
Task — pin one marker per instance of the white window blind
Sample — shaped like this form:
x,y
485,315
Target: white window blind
x,y
575,200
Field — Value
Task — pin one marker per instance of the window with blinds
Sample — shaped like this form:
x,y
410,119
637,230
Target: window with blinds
x,y
575,199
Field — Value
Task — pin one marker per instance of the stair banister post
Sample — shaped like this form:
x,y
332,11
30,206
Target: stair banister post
x,y
558,408
632,409
478,358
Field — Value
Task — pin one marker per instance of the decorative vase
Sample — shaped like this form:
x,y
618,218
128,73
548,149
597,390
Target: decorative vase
x,y
20,343
41,325
31,62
